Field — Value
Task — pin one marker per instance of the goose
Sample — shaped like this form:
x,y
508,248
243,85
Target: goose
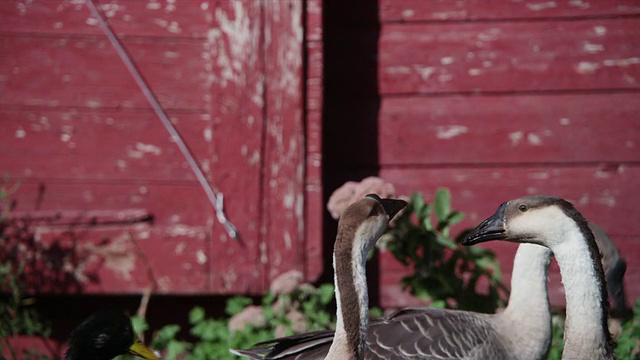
x,y
521,331
105,335
555,223
359,227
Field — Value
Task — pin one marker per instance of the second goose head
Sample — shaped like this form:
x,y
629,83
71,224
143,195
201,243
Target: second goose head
x,y
556,224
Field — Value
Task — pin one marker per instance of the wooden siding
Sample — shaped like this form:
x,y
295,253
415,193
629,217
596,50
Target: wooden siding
x,y
81,138
496,100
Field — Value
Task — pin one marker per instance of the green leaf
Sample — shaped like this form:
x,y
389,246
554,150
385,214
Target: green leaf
x,y
236,304
455,217
445,241
327,293
196,315
139,324
442,204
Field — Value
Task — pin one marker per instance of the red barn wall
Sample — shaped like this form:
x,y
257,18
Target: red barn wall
x,y
493,100
496,100
94,161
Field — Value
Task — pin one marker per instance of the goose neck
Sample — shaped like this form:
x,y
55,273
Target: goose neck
x,y
352,302
586,332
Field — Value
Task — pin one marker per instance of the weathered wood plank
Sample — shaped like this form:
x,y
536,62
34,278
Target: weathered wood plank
x,y
234,52
170,203
314,205
182,219
510,57
86,72
509,129
127,18
106,260
444,10
313,26
601,193
284,166
314,76
130,145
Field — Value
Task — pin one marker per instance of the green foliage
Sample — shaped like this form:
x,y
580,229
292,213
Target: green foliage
x,y
557,343
17,316
629,339
211,338
445,273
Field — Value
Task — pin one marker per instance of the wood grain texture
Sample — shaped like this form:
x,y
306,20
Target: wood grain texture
x,y
100,146
127,18
601,193
283,183
509,57
560,128
80,136
477,10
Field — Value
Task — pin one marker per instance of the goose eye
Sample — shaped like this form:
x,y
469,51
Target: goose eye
x,y
523,208
373,212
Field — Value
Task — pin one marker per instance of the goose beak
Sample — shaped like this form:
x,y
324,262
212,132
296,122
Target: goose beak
x,y
138,349
493,228
392,206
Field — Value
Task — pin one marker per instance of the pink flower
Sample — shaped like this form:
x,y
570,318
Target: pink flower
x,y
251,315
286,282
352,191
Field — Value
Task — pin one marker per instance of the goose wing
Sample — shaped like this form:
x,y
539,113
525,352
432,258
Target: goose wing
x,y
413,333
312,345
430,333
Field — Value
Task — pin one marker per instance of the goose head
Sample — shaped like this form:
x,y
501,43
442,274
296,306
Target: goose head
x,y
543,220
105,335
365,220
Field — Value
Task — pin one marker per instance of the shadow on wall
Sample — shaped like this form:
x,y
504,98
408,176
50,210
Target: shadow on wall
x,y
351,104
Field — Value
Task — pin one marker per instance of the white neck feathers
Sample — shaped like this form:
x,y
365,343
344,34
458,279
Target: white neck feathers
x,y
526,319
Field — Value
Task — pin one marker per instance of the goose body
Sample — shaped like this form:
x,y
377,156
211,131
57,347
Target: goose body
x,y
522,331
103,336
556,224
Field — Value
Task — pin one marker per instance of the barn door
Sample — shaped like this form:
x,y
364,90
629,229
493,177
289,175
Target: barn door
x,y
104,190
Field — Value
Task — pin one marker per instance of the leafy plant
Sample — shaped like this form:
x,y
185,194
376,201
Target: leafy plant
x,y
17,316
443,271
213,338
628,342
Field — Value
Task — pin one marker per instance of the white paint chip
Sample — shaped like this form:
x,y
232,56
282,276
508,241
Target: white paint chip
x,y
201,258
20,133
448,132
474,72
592,48
534,139
406,14
542,6
447,60
515,137
600,30
585,67
565,121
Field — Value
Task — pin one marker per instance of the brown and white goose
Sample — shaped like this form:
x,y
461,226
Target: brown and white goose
x,y
522,331
556,224
359,227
